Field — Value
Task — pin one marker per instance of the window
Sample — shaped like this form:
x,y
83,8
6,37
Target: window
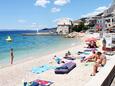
x,y
108,20
112,20
105,25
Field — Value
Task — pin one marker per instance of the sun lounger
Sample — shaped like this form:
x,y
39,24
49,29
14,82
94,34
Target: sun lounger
x,y
66,68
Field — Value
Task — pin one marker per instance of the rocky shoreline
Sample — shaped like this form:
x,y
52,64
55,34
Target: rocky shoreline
x,y
75,35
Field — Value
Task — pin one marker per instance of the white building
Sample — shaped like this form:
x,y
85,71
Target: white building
x,y
64,26
107,19
108,22
113,2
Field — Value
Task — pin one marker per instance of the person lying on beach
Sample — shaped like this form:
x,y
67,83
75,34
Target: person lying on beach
x,y
69,57
69,53
100,61
91,58
57,59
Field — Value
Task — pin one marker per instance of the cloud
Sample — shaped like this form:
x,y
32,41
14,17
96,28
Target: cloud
x,y
95,12
22,21
61,2
99,9
63,18
55,9
41,3
37,26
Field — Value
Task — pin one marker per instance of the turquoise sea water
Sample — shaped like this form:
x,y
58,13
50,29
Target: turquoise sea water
x,y
26,46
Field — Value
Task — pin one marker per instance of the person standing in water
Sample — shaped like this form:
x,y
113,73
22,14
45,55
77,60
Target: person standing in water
x,y
11,56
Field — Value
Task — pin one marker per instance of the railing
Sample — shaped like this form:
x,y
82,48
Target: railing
x,y
109,79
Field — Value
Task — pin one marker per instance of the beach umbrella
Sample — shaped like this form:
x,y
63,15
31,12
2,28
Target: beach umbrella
x,y
91,39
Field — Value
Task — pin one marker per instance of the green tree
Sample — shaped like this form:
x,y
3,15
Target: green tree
x,y
80,27
76,28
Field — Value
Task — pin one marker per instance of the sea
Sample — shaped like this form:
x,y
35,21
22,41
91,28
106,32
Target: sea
x,y
31,46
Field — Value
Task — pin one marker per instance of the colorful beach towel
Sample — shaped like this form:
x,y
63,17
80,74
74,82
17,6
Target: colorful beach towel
x,y
43,82
38,82
86,53
43,68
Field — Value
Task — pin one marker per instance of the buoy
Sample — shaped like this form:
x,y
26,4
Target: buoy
x,y
9,39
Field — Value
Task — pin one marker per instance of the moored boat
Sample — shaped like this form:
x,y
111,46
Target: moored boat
x,y
9,39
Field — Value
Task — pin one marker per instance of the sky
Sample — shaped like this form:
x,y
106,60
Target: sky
x,y
38,14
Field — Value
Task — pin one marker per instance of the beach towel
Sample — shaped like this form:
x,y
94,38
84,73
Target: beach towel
x,y
43,82
31,83
86,53
38,82
88,64
43,68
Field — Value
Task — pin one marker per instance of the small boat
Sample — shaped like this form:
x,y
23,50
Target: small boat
x,y
9,39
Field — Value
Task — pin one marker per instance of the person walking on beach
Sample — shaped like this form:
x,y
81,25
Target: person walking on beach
x,y
11,56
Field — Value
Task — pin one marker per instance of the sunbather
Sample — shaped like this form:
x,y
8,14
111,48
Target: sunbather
x,y
91,58
57,59
69,53
69,56
100,61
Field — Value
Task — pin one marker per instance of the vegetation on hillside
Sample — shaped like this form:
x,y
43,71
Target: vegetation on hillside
x,y
80,27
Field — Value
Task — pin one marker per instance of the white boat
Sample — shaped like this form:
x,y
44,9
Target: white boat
x,y
9,39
